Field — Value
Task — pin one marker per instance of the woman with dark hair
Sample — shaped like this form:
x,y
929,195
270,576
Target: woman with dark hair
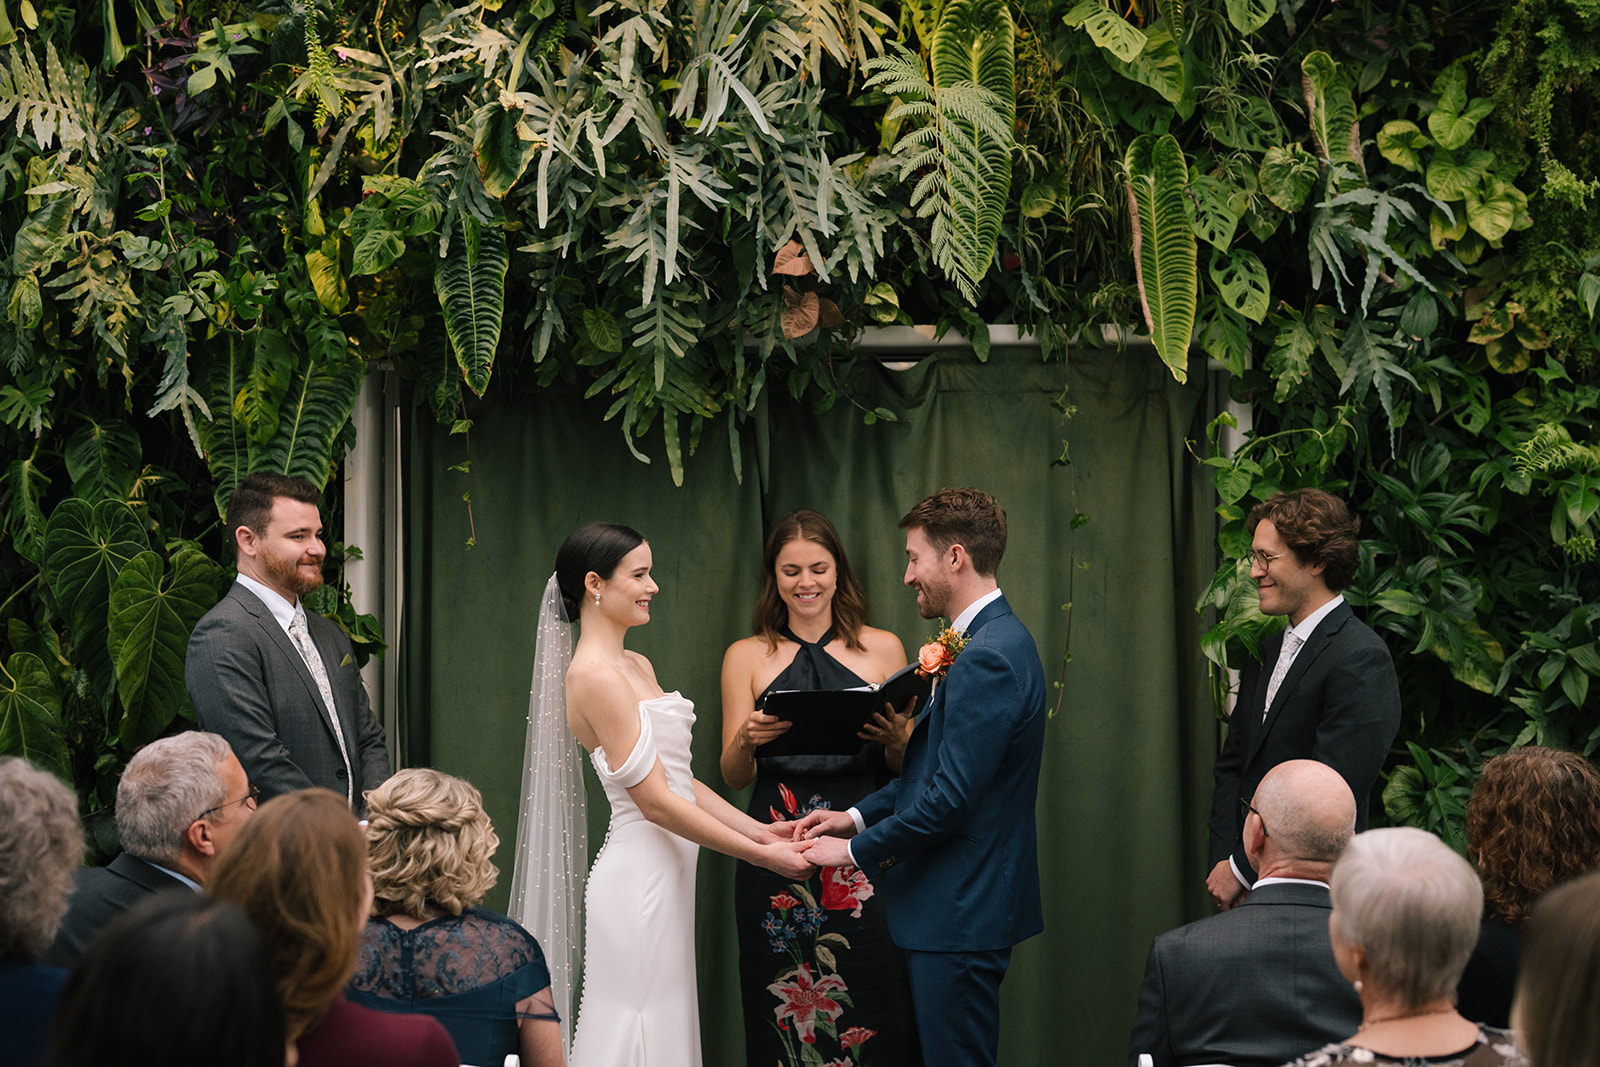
x,y
810,632
429,948
179,980
1533,822
1558,990
298,869
640,998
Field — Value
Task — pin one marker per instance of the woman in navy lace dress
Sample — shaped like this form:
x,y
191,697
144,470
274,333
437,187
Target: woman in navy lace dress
x,y
428,948
817,969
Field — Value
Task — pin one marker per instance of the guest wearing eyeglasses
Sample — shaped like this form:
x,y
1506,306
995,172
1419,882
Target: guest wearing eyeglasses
x,y
1323,689
179,803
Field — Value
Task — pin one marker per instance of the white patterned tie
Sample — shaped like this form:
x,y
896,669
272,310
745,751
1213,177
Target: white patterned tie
x,y
1291,648
319,674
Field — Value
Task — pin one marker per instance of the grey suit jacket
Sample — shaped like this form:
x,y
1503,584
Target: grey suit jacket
x,y
249,684
1252,987
100,894
1339,704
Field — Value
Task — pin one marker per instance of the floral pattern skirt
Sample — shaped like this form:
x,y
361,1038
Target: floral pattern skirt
x,y
822,982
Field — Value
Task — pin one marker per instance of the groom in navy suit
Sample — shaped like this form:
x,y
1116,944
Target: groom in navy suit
x,y
951,843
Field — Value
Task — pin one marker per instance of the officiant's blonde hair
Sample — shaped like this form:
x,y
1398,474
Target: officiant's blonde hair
x,y
849,600
429,842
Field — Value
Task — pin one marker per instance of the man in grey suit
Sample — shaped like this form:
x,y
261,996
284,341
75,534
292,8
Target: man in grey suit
x,y
1323,689
278,681
1257,986
179,803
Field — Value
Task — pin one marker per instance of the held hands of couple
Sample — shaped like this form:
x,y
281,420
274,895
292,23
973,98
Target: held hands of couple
x,y
824,831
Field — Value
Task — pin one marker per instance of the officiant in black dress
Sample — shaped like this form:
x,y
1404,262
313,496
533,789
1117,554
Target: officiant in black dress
x,y
816,963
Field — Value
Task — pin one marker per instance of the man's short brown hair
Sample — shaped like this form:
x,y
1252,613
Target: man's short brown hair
x,y
251,502
966,517
1318,527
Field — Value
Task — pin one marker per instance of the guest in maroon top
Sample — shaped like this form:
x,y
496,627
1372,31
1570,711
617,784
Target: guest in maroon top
x,y
299,870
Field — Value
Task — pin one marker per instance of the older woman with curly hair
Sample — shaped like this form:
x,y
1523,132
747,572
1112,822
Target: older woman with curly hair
x,y
1533,822
298,870
41,844
429,948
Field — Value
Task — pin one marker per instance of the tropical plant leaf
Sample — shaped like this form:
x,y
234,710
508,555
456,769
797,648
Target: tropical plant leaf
x,y
41,238
1159,65
471,283
151,616
1454,120
85,548
25,517
1450,178
256,404
1211,213
315,411
503,143
1401,141
1164,248
1287,176
224,440
1334,129
1242,280
30,715
1248,16
1493,211
103,460
1107,29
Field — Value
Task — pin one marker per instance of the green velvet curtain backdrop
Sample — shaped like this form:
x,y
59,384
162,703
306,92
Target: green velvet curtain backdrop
x,y
1126,777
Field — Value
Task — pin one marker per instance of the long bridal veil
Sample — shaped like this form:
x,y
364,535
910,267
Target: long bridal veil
x,y
552,832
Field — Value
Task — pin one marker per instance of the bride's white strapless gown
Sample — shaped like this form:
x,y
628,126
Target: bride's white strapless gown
x,y
640,1006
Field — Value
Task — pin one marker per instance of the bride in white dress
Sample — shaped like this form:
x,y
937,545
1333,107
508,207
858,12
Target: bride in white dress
x,y
639,1005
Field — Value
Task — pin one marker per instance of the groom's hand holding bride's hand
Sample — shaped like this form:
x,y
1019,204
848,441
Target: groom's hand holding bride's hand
x,y
825,831
789,859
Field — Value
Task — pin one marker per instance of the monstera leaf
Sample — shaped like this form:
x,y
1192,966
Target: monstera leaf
x,y
1107,29
471,283
103,460
152,614
85,548
30,714
1164,249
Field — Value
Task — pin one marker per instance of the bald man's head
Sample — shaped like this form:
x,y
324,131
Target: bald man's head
x,y
1308,813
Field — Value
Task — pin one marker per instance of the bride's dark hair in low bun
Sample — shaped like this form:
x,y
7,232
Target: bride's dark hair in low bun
x,y
597,547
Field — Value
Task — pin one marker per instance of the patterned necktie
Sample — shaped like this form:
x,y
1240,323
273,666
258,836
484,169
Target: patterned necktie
x,y
1291,648
319,674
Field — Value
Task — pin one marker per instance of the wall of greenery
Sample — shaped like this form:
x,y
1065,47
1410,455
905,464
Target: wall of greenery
x,y
1376,215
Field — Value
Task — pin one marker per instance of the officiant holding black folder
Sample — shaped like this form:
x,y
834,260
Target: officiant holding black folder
x,y
812,659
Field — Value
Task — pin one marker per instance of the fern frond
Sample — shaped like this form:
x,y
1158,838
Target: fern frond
x,y
1552,450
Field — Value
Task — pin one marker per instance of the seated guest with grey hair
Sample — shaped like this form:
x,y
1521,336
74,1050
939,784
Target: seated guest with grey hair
x,y
41,844
1256,985
1405,919
179,802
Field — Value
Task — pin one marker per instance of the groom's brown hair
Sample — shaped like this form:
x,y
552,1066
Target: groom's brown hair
x,y
967,517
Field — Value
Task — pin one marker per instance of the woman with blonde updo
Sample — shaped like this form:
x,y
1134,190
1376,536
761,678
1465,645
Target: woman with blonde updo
x,y
429,948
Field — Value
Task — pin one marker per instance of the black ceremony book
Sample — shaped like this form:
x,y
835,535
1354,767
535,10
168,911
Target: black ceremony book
x,y
826,721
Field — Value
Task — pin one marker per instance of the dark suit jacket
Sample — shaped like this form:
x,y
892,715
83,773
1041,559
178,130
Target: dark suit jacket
x,y
99,895
951,842
1252,987
1339,705
249,684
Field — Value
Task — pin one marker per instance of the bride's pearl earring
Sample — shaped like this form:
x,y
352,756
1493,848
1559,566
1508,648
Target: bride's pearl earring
x,y
597,598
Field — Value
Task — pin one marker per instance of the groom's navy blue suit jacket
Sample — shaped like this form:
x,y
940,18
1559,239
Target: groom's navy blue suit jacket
x,y
951,842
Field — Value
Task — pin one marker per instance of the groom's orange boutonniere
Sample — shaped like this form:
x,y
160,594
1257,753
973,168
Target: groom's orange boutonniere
x,y
935,657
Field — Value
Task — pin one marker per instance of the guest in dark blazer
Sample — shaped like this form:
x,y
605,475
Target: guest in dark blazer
x,y
952,842
278,681
299,871
1533,822
41,844
1324,689
179,802
1258,985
